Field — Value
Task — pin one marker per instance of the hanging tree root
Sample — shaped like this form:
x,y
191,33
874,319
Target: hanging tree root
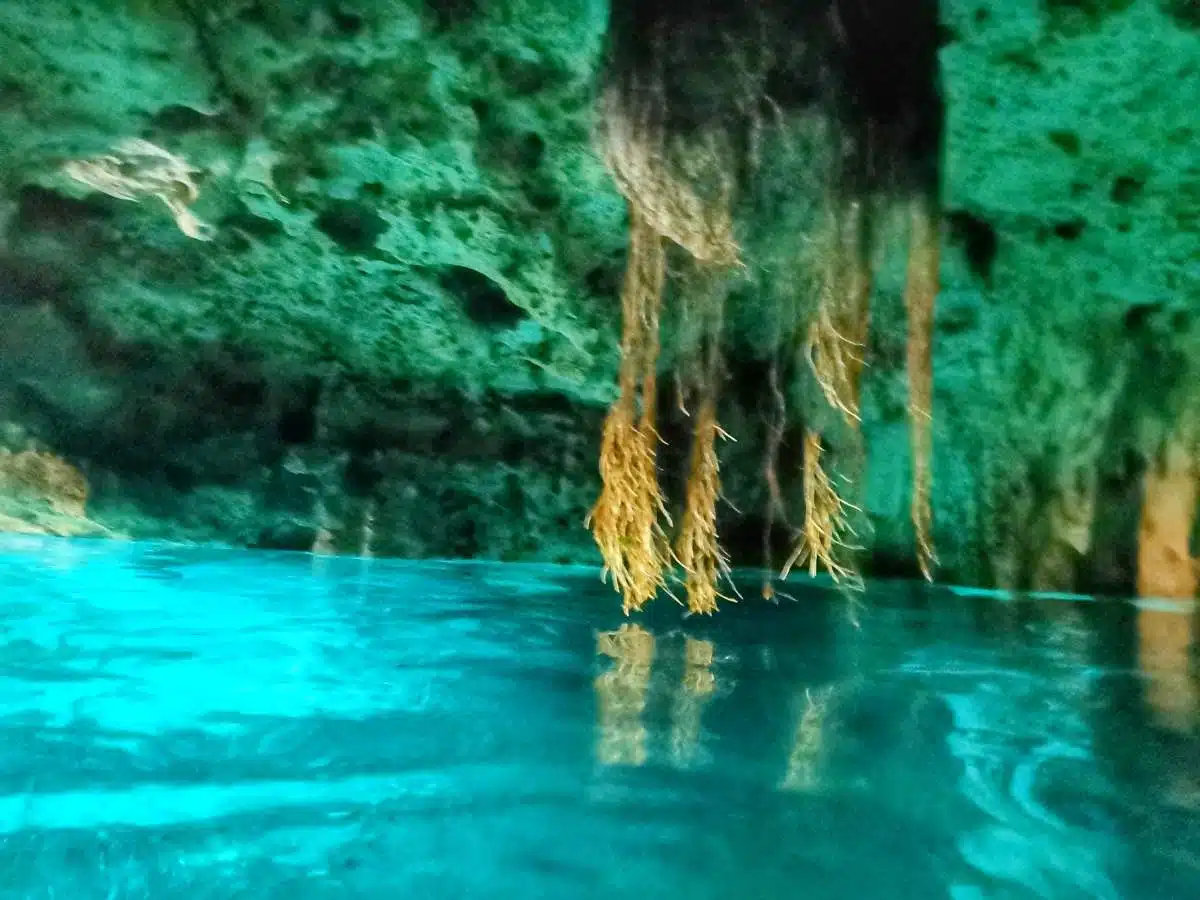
x,y
826,533
920,293
835,347
776,510
626,521
659,178
697,548
837,336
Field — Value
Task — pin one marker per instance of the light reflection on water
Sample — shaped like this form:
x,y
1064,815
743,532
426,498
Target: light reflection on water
x,y
206,723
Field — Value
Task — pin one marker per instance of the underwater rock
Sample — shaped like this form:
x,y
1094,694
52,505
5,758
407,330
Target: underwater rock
x,y
402,334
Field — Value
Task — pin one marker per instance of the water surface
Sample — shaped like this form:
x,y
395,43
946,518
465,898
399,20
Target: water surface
x,y
199,723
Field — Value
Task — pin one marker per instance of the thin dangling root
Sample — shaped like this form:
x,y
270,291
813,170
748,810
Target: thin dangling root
x,y
835,346
776,508
697,548
826,531
627,520
920,293
832,357
838,334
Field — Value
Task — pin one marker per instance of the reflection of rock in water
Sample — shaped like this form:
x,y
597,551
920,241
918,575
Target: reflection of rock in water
x,y
1166,646
1147,751
621,695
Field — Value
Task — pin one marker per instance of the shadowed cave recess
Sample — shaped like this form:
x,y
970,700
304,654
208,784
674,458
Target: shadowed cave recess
x,y
891,288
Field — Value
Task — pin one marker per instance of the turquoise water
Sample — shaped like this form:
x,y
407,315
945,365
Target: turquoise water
x,y
198,723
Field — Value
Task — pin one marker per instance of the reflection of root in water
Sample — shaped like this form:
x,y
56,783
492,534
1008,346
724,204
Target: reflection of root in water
x,y
621,695
695,691
808,747
1166,640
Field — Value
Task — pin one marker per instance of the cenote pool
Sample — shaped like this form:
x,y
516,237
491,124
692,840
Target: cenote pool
x,y
198,723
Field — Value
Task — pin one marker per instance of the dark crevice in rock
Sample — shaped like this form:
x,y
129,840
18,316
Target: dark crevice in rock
x,y
1185,12
527,75
1080,16
29,282
1023,60
176,119
1126,189
297,423
483,300
245,112
1066,141
946,36
979,241
893,565
604,280
1110,566
39,209
288,535
363,474
529,150
448,14
347,22
1070,230
1138,316
353,226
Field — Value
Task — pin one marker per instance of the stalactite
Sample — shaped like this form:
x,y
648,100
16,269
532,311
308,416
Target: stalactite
x,y
1165,567
1167,639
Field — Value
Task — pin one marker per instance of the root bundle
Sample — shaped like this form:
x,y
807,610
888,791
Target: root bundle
x,y
628,519
691,95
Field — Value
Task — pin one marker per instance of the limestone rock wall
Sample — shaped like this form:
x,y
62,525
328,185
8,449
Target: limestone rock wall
x,y
401,337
